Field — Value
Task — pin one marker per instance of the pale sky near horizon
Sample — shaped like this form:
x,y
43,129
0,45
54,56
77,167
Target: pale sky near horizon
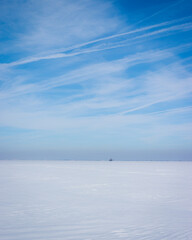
x,y
94,79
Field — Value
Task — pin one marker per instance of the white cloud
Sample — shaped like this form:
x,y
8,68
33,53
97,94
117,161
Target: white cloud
x,y
88,48
54,24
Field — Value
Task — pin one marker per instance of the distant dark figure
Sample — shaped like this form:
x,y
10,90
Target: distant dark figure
x,y
110,159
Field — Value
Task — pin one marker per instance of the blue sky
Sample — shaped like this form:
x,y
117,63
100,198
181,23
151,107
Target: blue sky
x,y
87,79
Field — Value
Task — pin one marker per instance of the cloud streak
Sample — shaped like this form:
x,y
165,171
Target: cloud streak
x,y
63,52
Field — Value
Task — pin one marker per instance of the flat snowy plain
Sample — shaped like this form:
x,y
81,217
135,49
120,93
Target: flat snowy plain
x,y
74,200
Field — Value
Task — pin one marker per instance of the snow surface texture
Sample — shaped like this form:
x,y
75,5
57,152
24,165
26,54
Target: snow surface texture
x,y
62,200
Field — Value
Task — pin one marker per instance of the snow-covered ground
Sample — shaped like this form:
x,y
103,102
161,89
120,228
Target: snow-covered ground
x,y
60,200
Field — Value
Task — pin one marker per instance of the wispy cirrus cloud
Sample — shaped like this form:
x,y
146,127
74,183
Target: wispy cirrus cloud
x,y
155,30
45,25
118,94
86,73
